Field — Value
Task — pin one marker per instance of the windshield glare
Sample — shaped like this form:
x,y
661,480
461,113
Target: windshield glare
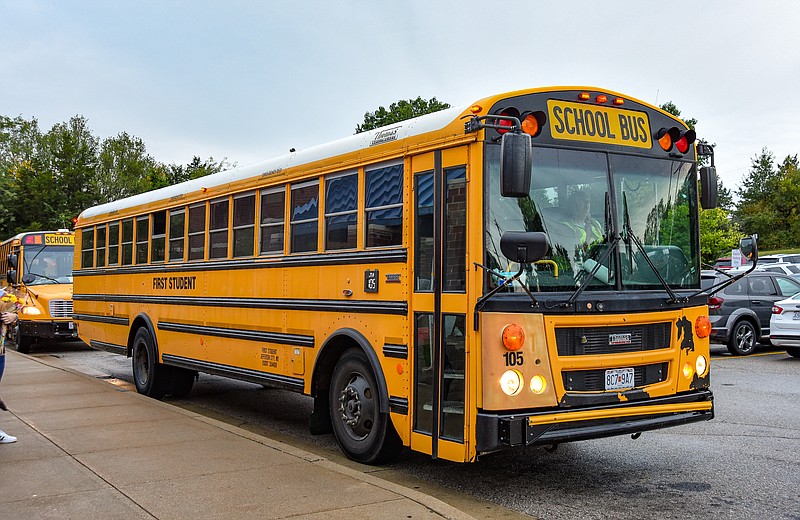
x,y
49,264
583,200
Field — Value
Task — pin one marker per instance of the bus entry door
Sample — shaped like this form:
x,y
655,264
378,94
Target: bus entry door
x,y
439,303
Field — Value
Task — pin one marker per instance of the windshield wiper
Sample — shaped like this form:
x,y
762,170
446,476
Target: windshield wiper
x,y
631,236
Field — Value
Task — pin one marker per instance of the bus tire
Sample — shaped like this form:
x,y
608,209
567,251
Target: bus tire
x,y
180,382
364,433
151,377
743,338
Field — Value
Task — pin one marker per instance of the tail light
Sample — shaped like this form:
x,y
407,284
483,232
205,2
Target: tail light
x,y
714,303
776,309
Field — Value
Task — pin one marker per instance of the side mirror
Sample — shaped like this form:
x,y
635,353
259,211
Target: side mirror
x,y
12,260
749,247
516,160
28,278
708,187
524,247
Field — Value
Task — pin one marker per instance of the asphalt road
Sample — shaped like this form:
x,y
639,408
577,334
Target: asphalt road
x,y
743,464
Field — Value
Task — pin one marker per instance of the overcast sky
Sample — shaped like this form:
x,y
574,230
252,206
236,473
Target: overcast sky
x,y
247,80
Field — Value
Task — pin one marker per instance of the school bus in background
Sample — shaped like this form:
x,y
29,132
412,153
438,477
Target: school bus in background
x,y
38,265
419,283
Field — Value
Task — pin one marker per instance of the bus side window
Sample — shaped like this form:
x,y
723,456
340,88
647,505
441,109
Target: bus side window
x,y
127,242
384,206
218,229
142,239
113,243
244,225
272,215
87,248
197,232
177,229
100,257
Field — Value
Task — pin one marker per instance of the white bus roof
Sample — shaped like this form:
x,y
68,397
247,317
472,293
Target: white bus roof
x,y
408,128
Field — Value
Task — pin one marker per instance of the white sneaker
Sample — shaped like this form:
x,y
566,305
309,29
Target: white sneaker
x,y
6,438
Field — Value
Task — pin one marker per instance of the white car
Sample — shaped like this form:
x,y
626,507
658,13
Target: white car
x,y
784,325
780,257
779,267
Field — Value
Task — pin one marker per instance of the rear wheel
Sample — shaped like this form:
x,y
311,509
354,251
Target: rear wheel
x,y
151,377
793,351
743,339
364,433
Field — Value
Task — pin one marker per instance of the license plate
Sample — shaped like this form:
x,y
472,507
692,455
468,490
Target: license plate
x,y
619,378
796,315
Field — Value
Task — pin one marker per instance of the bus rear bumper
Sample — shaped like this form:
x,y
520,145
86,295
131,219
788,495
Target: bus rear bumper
x,y
498,430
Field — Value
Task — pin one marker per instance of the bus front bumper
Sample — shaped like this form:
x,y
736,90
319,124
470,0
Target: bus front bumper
x,y
498,430
49,329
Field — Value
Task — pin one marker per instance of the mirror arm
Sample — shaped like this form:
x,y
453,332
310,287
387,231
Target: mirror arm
x,y
506,281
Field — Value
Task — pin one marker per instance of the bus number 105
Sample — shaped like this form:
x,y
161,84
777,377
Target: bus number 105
x,y
513,359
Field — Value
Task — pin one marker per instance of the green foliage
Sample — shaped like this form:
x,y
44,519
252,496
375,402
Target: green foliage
x,y
400,111
718,234
46,179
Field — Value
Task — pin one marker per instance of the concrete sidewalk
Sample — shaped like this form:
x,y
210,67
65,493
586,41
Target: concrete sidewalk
x,y
89,449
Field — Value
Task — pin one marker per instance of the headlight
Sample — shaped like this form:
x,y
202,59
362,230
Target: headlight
x,y
701,365
538,384
511,382
31,311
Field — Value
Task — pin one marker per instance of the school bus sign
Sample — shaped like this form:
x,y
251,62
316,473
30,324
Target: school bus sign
x,y
599,124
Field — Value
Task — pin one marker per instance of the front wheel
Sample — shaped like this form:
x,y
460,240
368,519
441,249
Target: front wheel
x,y
364,433
151,377
743,339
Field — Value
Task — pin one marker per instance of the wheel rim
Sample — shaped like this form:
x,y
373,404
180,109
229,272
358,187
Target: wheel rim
x,y
142,365
745,338
356,408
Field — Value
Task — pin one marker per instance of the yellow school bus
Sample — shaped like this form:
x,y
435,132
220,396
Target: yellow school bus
x,y
38,265
431,284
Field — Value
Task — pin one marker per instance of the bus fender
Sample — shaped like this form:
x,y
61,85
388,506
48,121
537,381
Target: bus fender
x,y
145,321
332,349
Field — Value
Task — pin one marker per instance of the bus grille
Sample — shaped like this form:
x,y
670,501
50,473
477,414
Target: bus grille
x,y
594,380
61,308
584,341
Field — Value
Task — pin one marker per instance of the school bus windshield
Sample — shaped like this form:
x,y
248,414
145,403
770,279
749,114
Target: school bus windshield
x,y
588,201
44,265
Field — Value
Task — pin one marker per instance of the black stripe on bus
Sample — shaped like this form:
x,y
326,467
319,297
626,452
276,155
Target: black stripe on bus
x,y
244,374
109,347
395,351
113,320
358,257
398,405
298,340
363,306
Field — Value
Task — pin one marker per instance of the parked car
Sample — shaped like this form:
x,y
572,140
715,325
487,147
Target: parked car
x,y
780,267
780,257
784,325
724,262
740,313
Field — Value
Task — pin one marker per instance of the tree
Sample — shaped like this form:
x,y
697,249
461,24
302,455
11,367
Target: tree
x,y
756,211
195,169
125,169
400,111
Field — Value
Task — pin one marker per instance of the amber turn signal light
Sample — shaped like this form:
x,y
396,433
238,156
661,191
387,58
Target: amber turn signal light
x,y
513,337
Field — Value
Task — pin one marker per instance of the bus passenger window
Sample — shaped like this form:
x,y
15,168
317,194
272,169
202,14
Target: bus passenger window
x,y
218,229
127,242
305,215
272,215
341,212
197,232
87,248
384,209
113,243
159,236
244,225
177,228
423,225
100,256
142,239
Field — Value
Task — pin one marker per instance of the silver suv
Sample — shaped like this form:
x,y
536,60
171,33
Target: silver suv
x,y
740,313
